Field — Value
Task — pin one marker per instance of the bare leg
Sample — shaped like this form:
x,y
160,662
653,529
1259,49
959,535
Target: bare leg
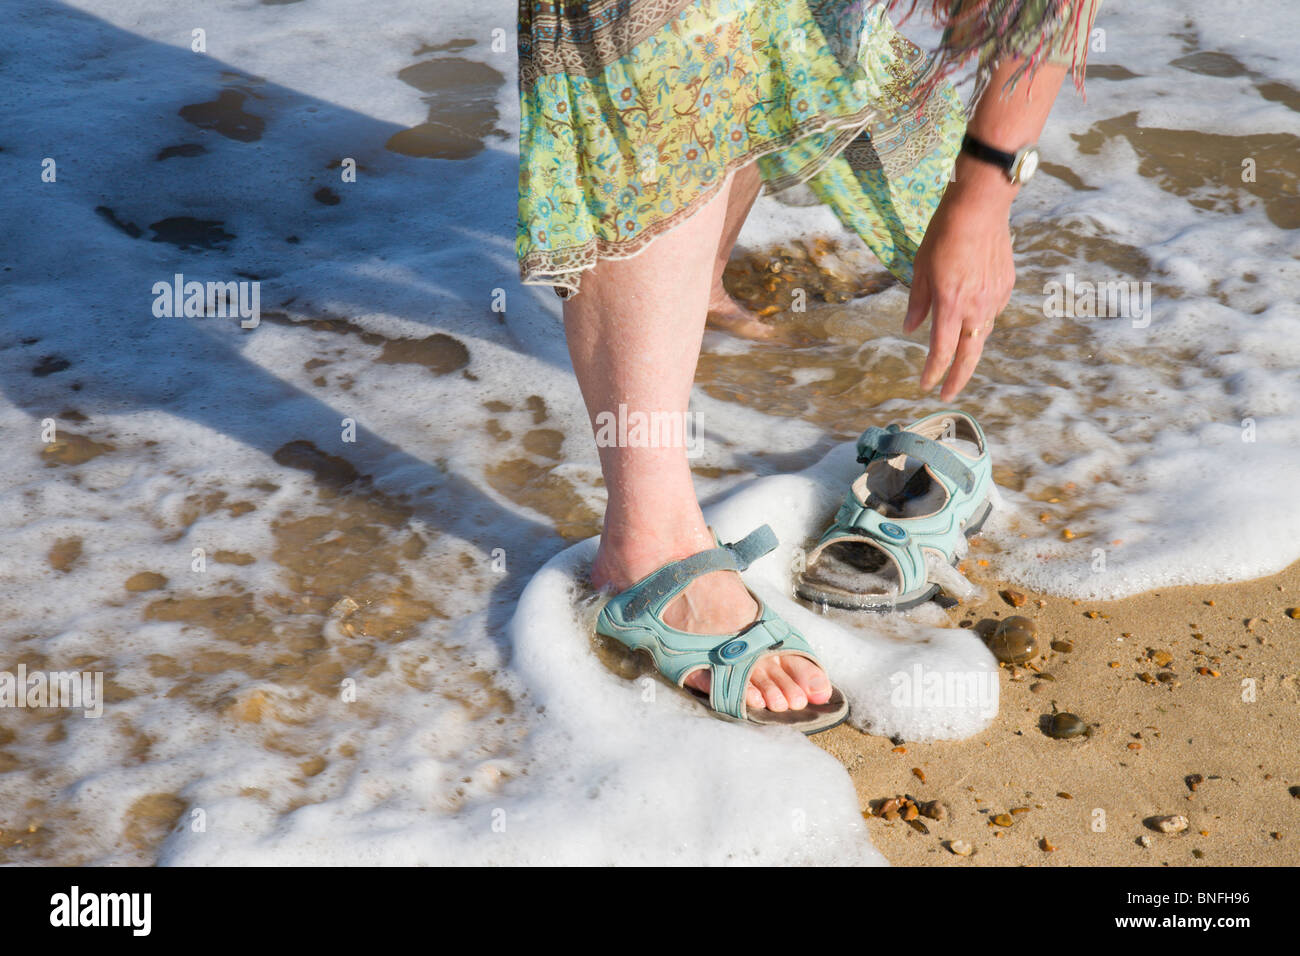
x,y
634,336
725,312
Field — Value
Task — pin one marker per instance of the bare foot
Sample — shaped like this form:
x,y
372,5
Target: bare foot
x,y
728,315
719,603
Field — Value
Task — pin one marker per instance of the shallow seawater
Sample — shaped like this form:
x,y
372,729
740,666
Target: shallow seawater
x,y
331,567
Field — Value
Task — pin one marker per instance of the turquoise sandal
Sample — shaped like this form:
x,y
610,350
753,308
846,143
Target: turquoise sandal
x,y
634,618
922,489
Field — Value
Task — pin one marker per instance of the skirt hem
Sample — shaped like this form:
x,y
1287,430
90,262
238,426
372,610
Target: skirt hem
x,y
551,268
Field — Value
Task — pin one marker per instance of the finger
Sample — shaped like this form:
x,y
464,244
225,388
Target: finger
x,y
968,354
812,680
918,304
945,329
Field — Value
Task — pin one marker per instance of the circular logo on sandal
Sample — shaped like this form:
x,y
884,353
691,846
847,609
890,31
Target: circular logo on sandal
x,y
892,531
734,649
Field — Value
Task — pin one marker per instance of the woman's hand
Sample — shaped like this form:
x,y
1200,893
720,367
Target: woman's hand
x,y
963,271
963,274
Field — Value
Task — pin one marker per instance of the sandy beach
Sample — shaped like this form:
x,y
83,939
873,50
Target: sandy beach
x,y
1087,798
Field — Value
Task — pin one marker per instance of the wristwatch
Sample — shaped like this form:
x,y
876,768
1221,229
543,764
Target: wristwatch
x,y
1019,166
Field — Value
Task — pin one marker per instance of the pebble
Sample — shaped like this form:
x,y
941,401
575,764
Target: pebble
x,y
1046,846
1167,677
1144,841
918,826
1015,640
1014,598
1194,780
1065,725
343,607
1063,647
960,847
1293,613
1161,658
934,810
1003,820
919,774
1174,823
1146,678
1295,792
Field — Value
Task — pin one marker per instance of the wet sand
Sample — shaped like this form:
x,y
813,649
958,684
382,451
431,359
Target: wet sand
x,y
1146,739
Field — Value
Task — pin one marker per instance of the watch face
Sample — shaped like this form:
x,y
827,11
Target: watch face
x,y
1027,166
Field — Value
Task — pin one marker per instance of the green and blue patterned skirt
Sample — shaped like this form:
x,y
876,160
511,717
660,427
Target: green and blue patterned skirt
x,y
635,111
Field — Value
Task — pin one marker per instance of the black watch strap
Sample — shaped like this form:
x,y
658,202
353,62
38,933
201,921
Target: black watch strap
x,y
980,150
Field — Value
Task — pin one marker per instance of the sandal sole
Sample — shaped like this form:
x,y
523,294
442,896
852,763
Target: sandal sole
x,y
702,699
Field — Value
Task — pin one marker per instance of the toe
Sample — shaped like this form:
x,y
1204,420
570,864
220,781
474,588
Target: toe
x,y
699,680
771,692
812,680
792,692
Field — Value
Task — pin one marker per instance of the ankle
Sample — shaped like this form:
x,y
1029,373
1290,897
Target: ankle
x,y
627,554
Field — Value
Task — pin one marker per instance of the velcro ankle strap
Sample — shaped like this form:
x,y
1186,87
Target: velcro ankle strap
x,y
655,591
877,443
753,546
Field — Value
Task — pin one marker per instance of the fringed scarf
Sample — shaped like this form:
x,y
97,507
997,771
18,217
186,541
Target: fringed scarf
x,y
1001,30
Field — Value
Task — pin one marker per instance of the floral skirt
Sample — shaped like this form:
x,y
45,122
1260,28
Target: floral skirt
x,y
635,111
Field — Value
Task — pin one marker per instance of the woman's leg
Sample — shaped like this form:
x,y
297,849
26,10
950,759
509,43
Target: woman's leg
x,y
725,312
634,336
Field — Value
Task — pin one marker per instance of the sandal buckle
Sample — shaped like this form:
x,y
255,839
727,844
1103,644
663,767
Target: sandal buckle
x,y
892,531
733,649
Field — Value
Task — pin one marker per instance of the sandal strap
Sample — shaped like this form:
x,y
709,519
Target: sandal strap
x,y
634,618
655,591
878,443
731,662
891,536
